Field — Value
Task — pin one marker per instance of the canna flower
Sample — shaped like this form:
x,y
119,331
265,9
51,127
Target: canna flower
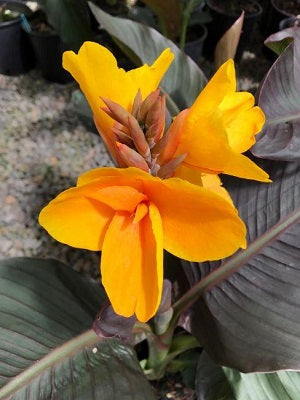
x,y
217,129
131,216
96,70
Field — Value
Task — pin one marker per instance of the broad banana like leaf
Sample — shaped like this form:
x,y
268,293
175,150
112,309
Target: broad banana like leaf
x,y
280,100
250,320
48,349
216,383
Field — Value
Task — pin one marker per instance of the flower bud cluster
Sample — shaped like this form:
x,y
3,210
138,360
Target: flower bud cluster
x,y
139,135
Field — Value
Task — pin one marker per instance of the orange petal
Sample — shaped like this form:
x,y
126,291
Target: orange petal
x,y
214,183
189,174
204,140
152,276
221,84
120,198
203,226
76,221
110,175
241,120
242,167
132,275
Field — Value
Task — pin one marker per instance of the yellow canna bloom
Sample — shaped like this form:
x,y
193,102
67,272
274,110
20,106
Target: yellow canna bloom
x,y
217,129
96,70
131,217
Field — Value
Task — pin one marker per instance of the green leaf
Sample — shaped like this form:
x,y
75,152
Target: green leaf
x,y
216,383
70,19
250,317
47,347
184,79
279,98
279,41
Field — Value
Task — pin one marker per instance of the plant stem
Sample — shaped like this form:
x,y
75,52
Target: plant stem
x,y
185,22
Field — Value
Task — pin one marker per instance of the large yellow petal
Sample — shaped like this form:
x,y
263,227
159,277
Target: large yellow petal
x,y
214,183
242,167
77,221
204,140
223,83
202,226
241,120
147,78
109,175
131,265
152,276
96,70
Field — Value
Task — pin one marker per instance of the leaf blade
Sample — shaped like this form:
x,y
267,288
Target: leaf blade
x,y
258,306
280,101
48,349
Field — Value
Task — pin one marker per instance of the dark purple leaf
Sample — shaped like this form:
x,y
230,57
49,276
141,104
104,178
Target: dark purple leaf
x,y
279,97
251,320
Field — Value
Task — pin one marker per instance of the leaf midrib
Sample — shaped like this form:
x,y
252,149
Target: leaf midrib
x,y
284,118
55,356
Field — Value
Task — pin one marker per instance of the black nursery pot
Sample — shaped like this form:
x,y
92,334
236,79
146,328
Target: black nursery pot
x,y
278,11
49,49
16,53
196,36
223,18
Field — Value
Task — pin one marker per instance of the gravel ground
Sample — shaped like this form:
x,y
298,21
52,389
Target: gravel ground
x,y
43,149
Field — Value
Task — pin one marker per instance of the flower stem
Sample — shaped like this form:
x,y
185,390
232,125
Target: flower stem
x,y
185,21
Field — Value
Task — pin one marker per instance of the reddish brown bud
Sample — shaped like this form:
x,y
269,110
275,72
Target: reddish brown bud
x,y
116,111
147,104
138,137
122,137
168,144
137,104
131,158
154,113
168,169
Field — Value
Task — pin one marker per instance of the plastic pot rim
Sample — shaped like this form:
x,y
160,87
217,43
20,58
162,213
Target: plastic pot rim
x,y
229,14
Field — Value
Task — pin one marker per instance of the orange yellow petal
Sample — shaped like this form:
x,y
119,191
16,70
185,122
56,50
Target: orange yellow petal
x,y
96,70
202,226
132,275
220,125
77,221
131,216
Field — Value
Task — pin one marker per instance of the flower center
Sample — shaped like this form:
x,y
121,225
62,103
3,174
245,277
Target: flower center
x,y
140,212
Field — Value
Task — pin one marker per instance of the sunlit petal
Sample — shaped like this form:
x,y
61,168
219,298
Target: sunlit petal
x,y
96,70
77,221
212,227
132,275
152,276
